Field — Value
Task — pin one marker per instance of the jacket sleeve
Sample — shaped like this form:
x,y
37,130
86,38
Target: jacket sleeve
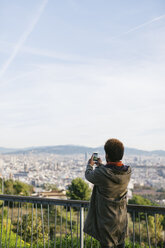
x,y
93,175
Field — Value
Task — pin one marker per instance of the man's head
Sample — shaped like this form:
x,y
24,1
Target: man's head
x,y
114,150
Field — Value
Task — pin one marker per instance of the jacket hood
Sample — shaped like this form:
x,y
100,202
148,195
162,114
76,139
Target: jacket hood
x,y
116,175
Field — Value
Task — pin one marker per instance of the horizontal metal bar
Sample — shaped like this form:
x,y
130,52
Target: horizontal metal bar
x,y
75,203
145,209
45,201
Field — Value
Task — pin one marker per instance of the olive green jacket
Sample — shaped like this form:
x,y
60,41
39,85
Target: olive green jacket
x,y
107,215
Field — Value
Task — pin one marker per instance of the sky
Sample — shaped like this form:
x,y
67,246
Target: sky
x,y
81,72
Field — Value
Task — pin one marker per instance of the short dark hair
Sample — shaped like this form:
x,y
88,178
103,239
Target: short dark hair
x,y
114,148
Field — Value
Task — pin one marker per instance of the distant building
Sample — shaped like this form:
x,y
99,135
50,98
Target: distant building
x,y
55,194
21,174
10,176
25,167
1,165
130,188
33,182
86,157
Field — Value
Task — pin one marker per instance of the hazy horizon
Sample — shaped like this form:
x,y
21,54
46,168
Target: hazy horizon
x,y
25,147
80,72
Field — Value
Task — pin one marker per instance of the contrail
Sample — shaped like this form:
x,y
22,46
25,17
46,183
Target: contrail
x,y
23,38
140,26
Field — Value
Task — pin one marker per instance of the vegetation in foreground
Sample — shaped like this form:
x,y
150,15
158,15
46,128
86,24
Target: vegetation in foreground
x,y
25,230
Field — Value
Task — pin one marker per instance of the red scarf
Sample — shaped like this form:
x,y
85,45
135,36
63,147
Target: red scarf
x,y
116,163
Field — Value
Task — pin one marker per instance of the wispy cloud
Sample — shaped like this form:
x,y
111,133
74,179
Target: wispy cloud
x,y
68,57
51,54
23,38
156,19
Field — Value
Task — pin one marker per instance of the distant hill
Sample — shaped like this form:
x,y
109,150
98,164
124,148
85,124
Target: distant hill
x,y
7,150
73,149
63,149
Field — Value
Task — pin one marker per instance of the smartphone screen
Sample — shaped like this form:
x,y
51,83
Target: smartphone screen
x,y
95,156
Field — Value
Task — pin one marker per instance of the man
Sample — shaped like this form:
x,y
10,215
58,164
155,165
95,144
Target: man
x,y
107,216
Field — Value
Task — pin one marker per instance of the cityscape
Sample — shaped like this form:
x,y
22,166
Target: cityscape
x,y
42,168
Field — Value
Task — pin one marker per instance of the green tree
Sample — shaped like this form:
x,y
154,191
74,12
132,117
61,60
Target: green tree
x,y
17,188
79,190
139,200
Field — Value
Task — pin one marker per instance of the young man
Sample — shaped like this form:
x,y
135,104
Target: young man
x,y
107,216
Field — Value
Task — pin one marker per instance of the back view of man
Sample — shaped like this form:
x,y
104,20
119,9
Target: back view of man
x,y
107,216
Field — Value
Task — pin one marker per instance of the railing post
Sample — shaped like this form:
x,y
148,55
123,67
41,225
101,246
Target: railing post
x,y
133,229
81,227
148,236
139,230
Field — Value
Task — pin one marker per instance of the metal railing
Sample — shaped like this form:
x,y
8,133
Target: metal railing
x,y
147,225
50,223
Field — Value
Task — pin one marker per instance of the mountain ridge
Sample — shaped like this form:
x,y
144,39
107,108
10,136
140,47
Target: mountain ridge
x,y
75,149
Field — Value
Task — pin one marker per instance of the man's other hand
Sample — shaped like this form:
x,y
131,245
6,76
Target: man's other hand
x,y
91,162
99,162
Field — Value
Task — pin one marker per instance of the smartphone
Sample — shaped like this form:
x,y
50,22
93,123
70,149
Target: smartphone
x,y
95,156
